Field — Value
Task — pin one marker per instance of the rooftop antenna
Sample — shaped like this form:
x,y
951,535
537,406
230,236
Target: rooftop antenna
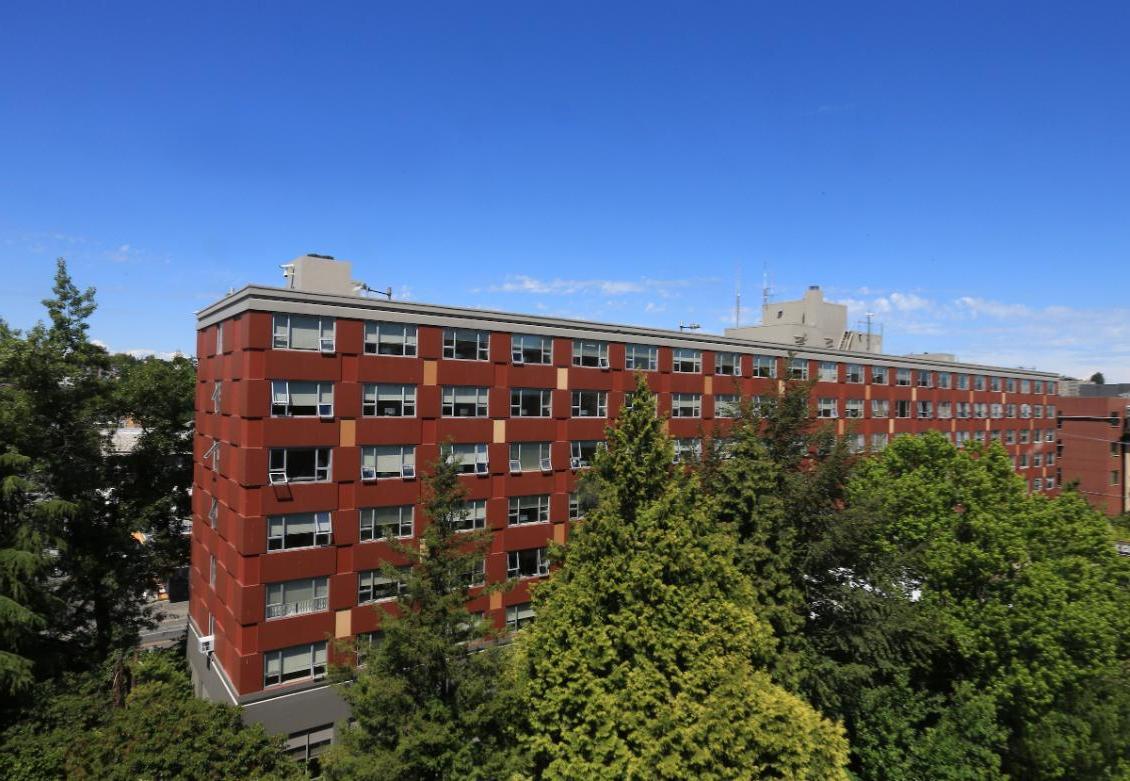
x,y
364,288
869,316
765,289
689,326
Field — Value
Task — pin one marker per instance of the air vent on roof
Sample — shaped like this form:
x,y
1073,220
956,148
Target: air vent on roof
x,y
316,255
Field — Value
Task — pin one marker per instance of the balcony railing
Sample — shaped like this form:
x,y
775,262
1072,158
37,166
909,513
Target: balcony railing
x,y
297,608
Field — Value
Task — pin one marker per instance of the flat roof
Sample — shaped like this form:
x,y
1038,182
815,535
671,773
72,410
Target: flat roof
x,y
278,299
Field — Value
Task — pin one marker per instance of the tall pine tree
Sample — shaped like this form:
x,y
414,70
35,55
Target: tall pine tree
x,y
646,658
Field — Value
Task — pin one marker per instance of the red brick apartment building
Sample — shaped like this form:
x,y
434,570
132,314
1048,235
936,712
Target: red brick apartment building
x,y
1093,443
318,411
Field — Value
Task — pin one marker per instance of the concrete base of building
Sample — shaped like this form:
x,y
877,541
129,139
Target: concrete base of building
x,y
307,714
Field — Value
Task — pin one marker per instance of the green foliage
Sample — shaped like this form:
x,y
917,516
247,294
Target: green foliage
x,y
435,698
646,659
85,726
1028,597
1098,378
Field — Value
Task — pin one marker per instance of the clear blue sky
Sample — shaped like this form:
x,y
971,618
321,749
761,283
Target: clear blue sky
x,y
961,168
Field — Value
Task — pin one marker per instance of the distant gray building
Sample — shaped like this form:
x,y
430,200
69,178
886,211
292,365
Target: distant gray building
x,y
809,322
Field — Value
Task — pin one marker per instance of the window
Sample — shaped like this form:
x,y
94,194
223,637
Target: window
x,y
518,616
827,408
686,405
995,384
388,401
726,406
963,382
798,369
582,452
464,401
878,442
579,505
299,465
530,457
1025,410
528,509
528,563
586,353
728,363
1037,459
945,410
878,375
687,361
945,380
829,371
378,523
1010,384
211,570
925,410
385,461
978,382
1049,411
854,373
996,411
688,449
390,339
291,664
902,408
641,357
527,348
856,443
964,410
217,396
1049,435
1037,386
293,399
853,408
902,377
764,366
295,597
305,746
1037,410
375,586
304,332
1025,436
213,511
1022,461
590,404
469,459
1010,410
925,379
1025,386
477,575
1051,392
880,408
530,402
298,530
1049,483
1114,477
1010,436
465,344
219,338
980,410
472,516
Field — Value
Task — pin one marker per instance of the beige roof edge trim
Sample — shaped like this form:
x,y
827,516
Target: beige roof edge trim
x,y
269,299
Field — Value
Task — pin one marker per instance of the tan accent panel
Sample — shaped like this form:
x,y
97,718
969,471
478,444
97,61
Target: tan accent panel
x,y
867,393
499,431
430,370
666,426
559,533
840,427
708,384
891,427
780,386
914,393
496,600
348,433
343,623
562,379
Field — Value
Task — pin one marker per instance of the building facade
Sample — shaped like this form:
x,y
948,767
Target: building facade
x,y
318,411
1093,445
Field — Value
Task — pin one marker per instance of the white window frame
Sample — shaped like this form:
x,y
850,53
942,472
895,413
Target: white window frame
x,y
407,469
855,408
537,503
369,578
376,329
520,353
322,472
828,371
453,337
471,519
727,364
314,671
577,448
286,608
827,407
326,338
798,369
448,400
591,353
217,396
320,521
519,395
686,405
403,526
727,405
765,366
542,460
519,615
469,458
373,394
641,357
686,360
281,396
514,563
577,407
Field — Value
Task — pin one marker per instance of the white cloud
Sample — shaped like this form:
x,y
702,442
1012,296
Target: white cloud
x,y
147,353
522,283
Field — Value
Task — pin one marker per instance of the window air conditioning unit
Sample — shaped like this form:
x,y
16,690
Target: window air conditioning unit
x,y
206,644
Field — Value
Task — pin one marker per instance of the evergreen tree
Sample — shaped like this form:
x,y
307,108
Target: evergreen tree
x,y
435,698
646,658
